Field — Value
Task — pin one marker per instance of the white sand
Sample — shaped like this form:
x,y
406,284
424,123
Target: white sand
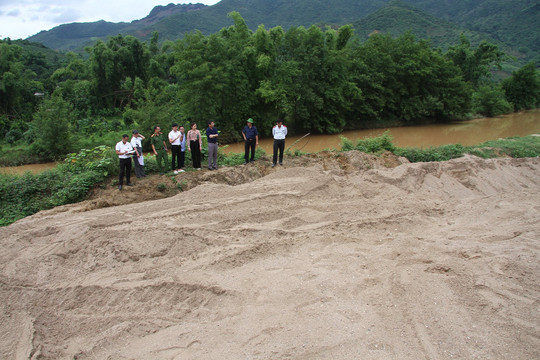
x,y
422,261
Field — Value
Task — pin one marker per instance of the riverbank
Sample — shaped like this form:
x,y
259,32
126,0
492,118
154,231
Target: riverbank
x,y
466,133
89,173
333,255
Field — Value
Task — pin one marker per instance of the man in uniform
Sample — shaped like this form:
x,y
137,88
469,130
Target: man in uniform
x,y
159,146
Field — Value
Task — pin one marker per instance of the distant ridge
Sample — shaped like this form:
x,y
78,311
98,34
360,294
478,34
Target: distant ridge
x,y
514,23
75,36
398,17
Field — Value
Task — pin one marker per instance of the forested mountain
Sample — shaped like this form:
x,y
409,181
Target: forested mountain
x,y
398,17
75,36
512,22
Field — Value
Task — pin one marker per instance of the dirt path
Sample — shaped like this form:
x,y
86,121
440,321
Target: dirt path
x,y
338,258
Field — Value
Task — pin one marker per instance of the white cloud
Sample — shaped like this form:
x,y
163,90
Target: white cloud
x,y
24,18
67,16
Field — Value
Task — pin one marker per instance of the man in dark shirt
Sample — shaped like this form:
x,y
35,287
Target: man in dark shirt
x,y
212,137
251,138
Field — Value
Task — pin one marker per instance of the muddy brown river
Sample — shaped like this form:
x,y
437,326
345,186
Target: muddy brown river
x,y
470,132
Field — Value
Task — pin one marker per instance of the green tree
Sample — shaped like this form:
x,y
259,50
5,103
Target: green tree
x,y
523,88
405,80
17,86
490,100
475,64
112,63
73,83
50,127
216,75
310,83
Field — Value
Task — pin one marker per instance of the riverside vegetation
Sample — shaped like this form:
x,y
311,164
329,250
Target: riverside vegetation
x,y
70,182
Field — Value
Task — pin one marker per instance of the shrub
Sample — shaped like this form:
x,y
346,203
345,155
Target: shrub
x,y
441,153
346,144
490,100
51,128
101,159
376,144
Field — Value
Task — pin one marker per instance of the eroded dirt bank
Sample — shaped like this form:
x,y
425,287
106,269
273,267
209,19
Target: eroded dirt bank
x,y
337,258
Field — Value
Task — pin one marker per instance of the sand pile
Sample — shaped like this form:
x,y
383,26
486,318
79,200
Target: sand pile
x,y
422,261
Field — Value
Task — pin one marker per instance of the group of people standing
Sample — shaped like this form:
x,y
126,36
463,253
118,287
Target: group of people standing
x,y
179,140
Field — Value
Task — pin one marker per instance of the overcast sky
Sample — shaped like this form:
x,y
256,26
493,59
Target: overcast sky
x,y
20,19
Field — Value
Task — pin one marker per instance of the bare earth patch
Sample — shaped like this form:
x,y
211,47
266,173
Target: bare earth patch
x,y
343,256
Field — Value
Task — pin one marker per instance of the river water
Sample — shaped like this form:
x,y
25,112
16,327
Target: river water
x,y
33,168
470,132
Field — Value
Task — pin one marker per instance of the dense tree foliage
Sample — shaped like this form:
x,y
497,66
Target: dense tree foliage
x,y
50,128
17,84
318,80
523,88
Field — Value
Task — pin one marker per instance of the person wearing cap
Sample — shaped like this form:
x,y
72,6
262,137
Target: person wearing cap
x,y
175,139
136,142
251,138
212,135
279,131
159,146
124,150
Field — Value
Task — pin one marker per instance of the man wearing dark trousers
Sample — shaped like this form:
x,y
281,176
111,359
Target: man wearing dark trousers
x,y
175,139
251,138
157,140
182,150
279,132
124,150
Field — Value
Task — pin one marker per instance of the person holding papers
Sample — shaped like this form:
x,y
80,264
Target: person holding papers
x,y
124,150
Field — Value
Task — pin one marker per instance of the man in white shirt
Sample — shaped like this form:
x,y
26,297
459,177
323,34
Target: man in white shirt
x,y
136,142
124,150
175,139
279,132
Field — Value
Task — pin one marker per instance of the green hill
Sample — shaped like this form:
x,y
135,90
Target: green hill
x,y
398,17
514,23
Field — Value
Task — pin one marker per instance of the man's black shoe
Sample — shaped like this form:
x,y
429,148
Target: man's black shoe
x,y
129,184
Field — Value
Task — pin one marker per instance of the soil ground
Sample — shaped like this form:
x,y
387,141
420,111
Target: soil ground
x,y
345,256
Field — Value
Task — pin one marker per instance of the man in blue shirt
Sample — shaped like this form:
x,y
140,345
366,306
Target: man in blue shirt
x,y
212,137
182,149
251,138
